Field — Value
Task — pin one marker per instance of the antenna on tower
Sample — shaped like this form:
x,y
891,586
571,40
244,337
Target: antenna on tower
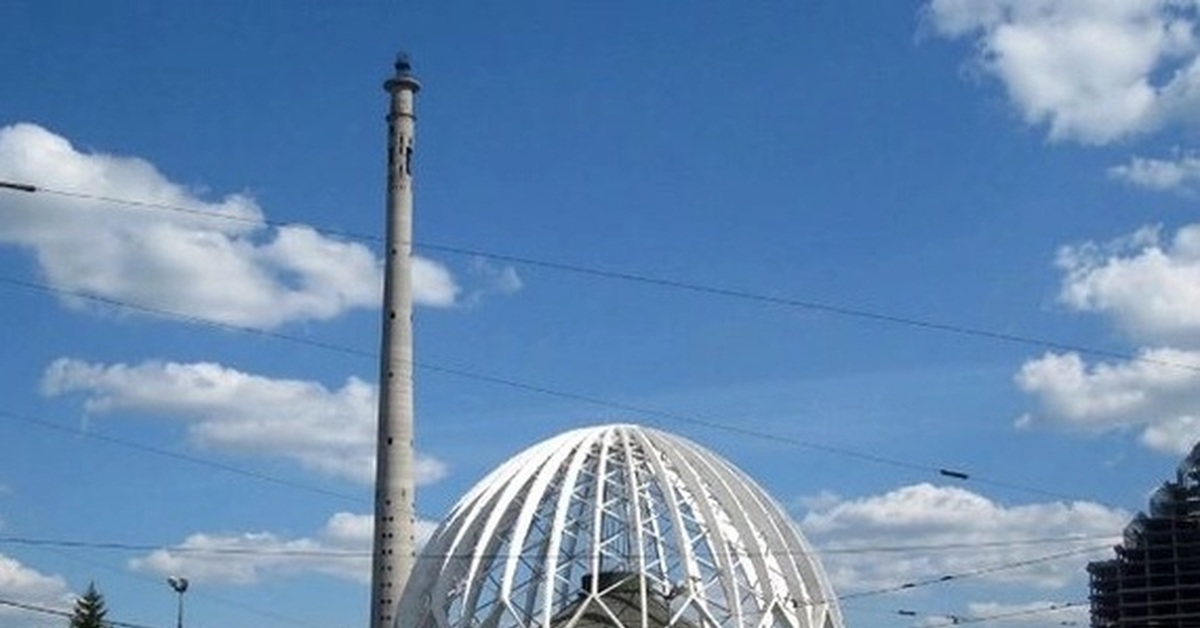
x,y
403,66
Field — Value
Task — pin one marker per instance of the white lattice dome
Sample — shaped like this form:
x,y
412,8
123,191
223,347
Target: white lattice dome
x,y
621,526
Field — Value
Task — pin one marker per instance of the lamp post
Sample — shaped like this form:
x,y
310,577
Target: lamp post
x,y
180,585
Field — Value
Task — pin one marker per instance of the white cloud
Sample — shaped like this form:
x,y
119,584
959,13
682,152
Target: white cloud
x,y
329,431
231,269
433,284
1092,71
1154,393
342,549
1173,434
974,532
489,279
1150,287
1038,613
1098,71
20,582
24,584
1180,175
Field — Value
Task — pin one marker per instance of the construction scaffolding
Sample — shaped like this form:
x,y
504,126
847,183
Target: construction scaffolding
x,y
1154,580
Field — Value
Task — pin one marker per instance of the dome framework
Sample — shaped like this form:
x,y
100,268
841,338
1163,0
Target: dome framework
x,y
619,526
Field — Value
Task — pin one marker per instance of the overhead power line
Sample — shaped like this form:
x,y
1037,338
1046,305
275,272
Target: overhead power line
x,y
815,306
951,619
1051,608
646,279
655,413
940,471
954,619
205,593
256,475
45,610
646,412
26,541
174,455
182,549
347,554
965,545
971,573
187,318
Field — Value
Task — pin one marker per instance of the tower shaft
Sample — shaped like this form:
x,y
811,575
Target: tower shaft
x,y
395,516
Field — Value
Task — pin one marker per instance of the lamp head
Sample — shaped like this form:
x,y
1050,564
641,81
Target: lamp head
x,y
179,584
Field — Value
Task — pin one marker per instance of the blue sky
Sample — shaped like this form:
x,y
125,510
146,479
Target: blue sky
x,y
1023,168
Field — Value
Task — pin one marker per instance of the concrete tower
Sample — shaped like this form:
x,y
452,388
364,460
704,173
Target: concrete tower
x,y
393,553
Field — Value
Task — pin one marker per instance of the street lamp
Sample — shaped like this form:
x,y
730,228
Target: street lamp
x,y
180,585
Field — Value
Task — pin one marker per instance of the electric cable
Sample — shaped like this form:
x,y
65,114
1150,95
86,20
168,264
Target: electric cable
x,y
652,413
181,549
668,283
662,282
827,308
1118,623
927,618
840,599
968,574
647,412
205,594
188,318
956,620
322,491
45,610
205,462
816,306
965,545
358,554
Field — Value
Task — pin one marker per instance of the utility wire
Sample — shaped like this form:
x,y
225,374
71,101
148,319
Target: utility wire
x,y
828,308
187,318
203,593
322,491
26,541
973,545
257,221
655,413
648,412
1052,608
181,549
907,586
952,619
174,455
815,306
651,413
964,575
45,610
661,282
956,620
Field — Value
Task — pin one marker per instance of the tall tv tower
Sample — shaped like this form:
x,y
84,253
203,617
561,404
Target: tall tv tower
x,y
395,516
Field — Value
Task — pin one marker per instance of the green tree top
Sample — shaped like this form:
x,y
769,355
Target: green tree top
x,y
89,610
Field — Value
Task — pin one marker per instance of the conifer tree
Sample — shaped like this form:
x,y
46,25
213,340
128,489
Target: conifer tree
x,y
89,610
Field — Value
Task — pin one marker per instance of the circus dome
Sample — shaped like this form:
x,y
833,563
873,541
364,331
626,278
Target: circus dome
x,y
621,526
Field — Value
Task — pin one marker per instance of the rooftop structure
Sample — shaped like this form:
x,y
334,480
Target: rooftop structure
x,y
618,526
1154,580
